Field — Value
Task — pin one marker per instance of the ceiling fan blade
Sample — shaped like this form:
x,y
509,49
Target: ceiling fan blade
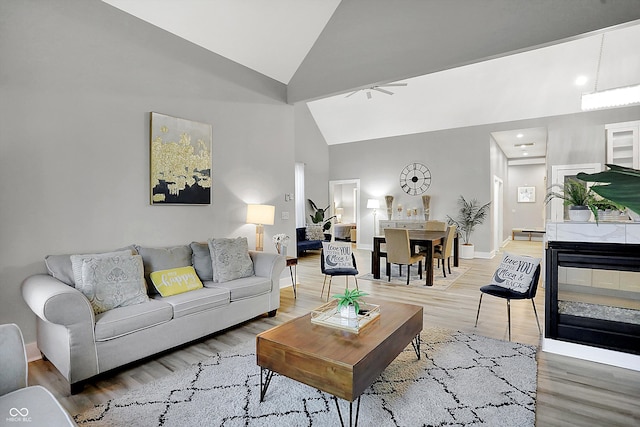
x,y
393,84
382,90
352,93
368,95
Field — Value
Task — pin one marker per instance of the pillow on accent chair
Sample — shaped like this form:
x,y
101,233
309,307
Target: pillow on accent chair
x,y
230,259
314,232
337,255
175,281
111,282
515,272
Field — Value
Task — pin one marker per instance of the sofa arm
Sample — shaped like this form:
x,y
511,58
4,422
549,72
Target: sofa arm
x,y
56,302
66,326
269,265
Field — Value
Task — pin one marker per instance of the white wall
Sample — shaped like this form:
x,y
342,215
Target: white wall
x,y
77,82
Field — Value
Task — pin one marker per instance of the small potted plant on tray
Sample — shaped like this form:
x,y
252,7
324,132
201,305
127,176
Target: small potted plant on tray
x,y
349,305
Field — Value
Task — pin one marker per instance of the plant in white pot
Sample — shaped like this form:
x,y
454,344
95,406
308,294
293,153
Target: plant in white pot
x,y
619,184
470,215
578,196
349,305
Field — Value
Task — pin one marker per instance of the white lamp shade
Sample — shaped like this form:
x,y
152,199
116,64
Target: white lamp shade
x,y
339,211
373,204
261,214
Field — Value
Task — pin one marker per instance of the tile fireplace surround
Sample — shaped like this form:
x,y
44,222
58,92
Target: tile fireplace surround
x,y
593,292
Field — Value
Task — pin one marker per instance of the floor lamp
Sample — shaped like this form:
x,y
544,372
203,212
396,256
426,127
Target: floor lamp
x,y
260,215
375,205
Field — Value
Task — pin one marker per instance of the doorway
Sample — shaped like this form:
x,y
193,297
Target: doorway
x,y
498,213
345,195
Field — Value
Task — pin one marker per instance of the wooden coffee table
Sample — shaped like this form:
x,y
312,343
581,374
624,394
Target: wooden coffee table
x,y
335,361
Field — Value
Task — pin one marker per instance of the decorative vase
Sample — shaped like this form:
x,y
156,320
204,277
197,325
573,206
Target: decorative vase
x,y
389,201
281,249
467,251
348,316
579,213
426,200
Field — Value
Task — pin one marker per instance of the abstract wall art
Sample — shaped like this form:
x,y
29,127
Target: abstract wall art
x,y
180,161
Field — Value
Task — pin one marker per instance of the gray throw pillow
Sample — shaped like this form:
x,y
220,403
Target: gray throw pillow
x,y
60,266
112,282
77,261
230,258
202,261
314,232
156,259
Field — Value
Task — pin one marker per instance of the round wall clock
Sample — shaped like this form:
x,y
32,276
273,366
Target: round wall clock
x,y
415,179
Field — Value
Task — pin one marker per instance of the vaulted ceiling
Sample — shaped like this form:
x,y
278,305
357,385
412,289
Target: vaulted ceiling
x,y
465,62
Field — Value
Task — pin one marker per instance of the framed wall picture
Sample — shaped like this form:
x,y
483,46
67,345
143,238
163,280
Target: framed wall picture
x,y
526,194
180,161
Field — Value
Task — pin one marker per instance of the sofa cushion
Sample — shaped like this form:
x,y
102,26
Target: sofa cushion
x,y
201,260
175,281
230,259
60,267
156,259
77,261
126,320
196,301
245,287
112,282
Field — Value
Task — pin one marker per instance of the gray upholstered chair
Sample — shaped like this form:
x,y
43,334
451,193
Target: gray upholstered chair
x,y
399,251
445,251
19,403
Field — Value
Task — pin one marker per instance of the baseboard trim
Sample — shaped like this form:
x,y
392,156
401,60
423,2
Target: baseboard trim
x,y
33,352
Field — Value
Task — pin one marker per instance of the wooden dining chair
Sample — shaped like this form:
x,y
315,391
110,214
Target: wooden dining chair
x,y
445,251
433,225
399,251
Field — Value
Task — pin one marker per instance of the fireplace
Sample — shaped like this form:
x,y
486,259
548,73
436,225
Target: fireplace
x,y
593,294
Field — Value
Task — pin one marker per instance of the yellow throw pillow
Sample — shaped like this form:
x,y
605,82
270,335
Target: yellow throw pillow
x,y
175,280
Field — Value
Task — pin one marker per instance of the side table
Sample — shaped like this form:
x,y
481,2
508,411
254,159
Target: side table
x,y
293,262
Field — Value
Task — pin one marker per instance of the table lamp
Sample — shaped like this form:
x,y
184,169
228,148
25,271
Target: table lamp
x,y
260,215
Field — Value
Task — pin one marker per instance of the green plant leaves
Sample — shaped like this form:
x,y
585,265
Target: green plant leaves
x,y
621,185
350,298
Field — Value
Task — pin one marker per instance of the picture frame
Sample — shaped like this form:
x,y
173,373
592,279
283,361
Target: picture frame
x,y
180,157
526,194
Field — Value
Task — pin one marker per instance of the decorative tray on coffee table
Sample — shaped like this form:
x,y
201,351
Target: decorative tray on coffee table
x,y
329,315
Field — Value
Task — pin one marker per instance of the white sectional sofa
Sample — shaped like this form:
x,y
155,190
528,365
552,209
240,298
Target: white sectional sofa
x,y
82,344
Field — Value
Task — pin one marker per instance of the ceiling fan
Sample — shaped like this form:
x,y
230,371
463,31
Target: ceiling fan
x,y
378,88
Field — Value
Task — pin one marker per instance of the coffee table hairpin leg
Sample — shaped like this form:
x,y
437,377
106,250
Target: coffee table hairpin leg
x,y
351,423
264,385
416,345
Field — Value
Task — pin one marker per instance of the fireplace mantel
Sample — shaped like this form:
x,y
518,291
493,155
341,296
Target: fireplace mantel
x,y
570,257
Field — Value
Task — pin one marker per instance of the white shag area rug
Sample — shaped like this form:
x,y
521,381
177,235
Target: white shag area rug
x,y
461,380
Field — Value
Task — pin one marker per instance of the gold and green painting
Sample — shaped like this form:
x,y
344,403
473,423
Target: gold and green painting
x,y
180,161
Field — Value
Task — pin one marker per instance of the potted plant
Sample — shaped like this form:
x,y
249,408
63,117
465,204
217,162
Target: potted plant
x,y
578,197
318,216
622,187
349,305
470,215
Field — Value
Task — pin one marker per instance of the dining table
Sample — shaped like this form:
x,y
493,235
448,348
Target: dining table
x,y
426,239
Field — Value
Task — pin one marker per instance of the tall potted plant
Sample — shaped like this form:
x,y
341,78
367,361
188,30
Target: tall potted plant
x,y
318,216
578,197
470,215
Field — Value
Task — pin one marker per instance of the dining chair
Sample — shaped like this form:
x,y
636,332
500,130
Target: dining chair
x,y
445,251
508,294
399,251
339,270
433,225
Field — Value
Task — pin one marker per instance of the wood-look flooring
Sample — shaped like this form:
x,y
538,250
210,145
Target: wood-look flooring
x,y
571,392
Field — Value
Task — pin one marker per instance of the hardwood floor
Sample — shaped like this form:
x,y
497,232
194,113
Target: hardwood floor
x,y
571,392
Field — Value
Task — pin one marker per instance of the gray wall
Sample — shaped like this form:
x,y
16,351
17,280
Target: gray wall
x,y
77,82
458,160
521,215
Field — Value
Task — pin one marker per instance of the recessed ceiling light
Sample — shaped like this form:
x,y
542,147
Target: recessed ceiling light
x,y
525,154
519,135
581,80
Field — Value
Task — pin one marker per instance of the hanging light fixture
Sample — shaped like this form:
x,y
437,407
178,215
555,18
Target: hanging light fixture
x,y
609,98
